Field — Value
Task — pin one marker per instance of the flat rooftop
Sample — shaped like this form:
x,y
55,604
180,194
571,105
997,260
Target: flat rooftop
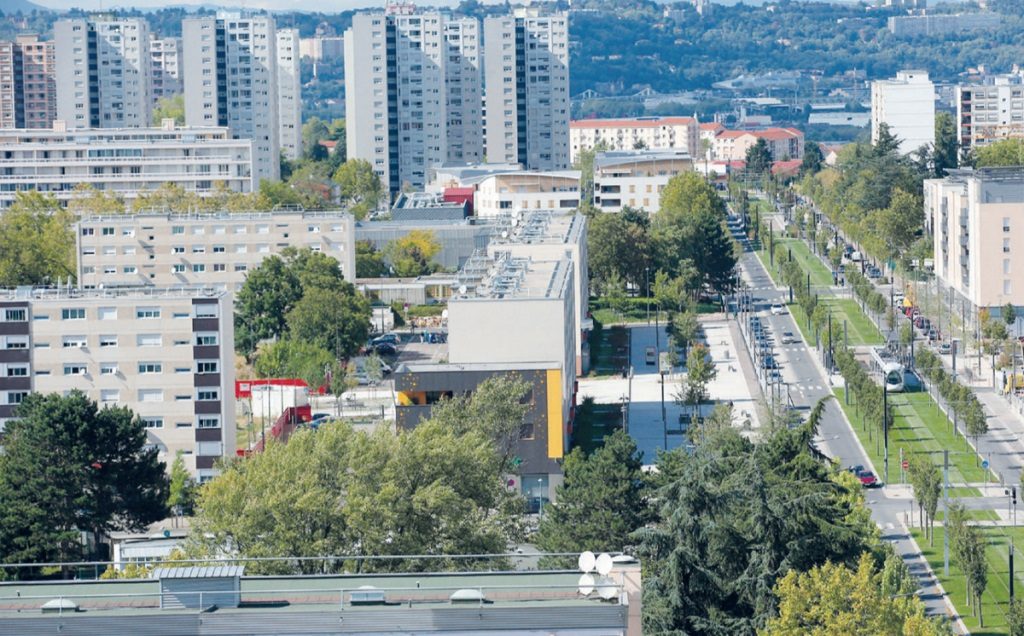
x,y
144,216
480,366
539,227
73,293
622,157
511,277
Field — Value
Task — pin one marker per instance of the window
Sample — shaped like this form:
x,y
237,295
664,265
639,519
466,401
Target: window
x,y
198,268
206,339
183,370
198,249
198,229
108,368
72,314
182,342
88,231
207,310
1006,224
150,367
151,395
241,267
148,340
109,395
181,314
178,268
74,369
208,421
108,231
218,249
13,342
1006,246
206,366
1007,287
207,395
219,267
209,448
15,315
69,342
178,229
130,269
15,370
178,249
128,231
14,397
107,313
147,312
108,341
153,422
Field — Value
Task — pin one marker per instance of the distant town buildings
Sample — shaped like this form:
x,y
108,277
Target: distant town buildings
x,y
907,105
28,94
783,143
641,133
125,161
230,78
322,47
103,72
167,354
165,54
990,110
289,93
941,25
526,89
215,251
976,220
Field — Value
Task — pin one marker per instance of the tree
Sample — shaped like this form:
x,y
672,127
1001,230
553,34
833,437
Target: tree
x,y
314,130
672,293
337,320
37,242
430,490
719,420
181,498
172,107
369,262
1015,617
268,294
1006,152
947,150
361,188
759,158
685,327
619,243
685,197
700,371
601,502
927,483
293,358
615,294
70,467
887,144
813,159
88,200
1009,314
832,599
413,254
168,197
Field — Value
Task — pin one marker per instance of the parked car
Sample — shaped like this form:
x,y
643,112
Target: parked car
x,y
385,349
768,362
868,479
788,337
778,309
390,338
651,355
945,348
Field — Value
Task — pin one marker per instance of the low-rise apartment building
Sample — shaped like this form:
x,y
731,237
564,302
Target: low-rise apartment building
x,y
504,193
211,250
977,218
635,178
676,133
167,354
549,236
783,143
125,162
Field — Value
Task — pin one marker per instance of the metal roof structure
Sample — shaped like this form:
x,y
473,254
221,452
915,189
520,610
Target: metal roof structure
x,y
199,572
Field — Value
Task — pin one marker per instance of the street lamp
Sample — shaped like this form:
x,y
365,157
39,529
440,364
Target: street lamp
x,y
625,409
647,291
540,498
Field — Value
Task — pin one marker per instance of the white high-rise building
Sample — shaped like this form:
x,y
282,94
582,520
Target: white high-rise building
x,y
526,89
395,104
103,73
289,93
28,95
464,84
907,104
165,54
990,110
230,76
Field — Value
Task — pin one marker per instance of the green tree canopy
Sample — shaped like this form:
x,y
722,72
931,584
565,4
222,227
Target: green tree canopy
x,y
413,254
361,188
337,320
37,241
70,467
369,262
292,358
172,107
619,243
759,158
1006,152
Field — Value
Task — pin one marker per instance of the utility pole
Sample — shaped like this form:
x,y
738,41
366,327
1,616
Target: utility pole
x,y
945,504
647,276
885,428
664,421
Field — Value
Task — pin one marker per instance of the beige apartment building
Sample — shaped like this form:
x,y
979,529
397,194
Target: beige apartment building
x,y
783,143
676,133
211,250
977,218
503,193
636,178
28,94
166,353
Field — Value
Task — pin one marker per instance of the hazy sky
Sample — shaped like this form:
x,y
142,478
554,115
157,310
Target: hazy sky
x,y
291,5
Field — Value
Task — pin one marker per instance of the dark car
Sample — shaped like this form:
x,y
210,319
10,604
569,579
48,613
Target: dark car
x,y
389,338
385,349
768,362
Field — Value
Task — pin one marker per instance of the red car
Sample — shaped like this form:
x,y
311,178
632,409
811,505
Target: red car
x,y
866,477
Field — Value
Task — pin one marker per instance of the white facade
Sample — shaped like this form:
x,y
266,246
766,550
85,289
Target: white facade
x,y
322,47
635,179
396,96
649,133
213,250
990,111
125,162
28,94
526,90
522,191
907,105
464,85
230,77
167,354
165,54
103,73
289,93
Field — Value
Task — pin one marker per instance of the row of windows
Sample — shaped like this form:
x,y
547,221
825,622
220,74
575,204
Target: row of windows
x,y
20,314
201,229
200,339
111,368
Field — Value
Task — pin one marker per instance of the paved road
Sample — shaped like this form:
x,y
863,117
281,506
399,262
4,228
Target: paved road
x,y
807,383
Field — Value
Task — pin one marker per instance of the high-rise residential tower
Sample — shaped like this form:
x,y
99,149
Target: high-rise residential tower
x,y
230,77
526,89
464,86
103,72
289,95
28,95
165,56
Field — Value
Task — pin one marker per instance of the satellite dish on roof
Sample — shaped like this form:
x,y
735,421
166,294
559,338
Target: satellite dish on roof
x,y
606,588
587,561
444,315
604,564
504,234
586,584
462,289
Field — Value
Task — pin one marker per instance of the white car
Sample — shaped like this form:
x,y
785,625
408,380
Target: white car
x,y
778,309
